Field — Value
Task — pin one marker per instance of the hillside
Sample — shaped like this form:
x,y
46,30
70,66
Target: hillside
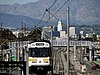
x,y
15,21
82,11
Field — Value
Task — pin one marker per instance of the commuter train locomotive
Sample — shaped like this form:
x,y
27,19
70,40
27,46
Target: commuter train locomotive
x,y
40,55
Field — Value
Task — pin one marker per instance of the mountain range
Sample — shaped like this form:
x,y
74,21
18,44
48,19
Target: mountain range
x,y
16,21
82,12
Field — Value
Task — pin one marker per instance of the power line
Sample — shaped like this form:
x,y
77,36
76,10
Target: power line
x,y
54,16
41,18
51,14
57,11
61,7
52,4
45,12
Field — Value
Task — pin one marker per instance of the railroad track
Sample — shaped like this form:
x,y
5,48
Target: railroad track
x,y
72,69
40,74
58,63
61,67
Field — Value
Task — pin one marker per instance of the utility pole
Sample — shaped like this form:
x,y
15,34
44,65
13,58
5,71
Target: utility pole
x,y
27,63
22,41
68,41
51,42
1,43
51,35
49,13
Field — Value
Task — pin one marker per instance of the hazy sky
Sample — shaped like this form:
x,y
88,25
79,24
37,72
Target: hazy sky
x,y
16,1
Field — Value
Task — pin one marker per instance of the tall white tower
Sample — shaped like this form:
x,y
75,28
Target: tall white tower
x,y
59,26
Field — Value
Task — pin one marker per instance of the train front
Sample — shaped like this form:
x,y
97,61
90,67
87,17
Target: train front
x,y
40,56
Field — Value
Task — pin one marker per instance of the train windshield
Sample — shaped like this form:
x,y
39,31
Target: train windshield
x,y
39,52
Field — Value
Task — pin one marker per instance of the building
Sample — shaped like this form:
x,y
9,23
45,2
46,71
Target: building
x,y
59,26
72,32
18,33
98,37
63,34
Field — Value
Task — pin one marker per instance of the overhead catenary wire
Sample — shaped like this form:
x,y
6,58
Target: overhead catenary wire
x,y
51,14
45,12
54,16
40,22
52,4
61,7
57,11
81,8
41,18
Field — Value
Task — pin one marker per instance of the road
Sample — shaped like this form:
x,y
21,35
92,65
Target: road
x,y
88,65
90,71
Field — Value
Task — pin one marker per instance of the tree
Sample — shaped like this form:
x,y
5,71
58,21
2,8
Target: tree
x,y
35,34
94,38
7,34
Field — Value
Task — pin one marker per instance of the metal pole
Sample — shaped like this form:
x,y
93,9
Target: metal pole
x,y
68,41
51,35
27,63
22,41
74,52
1,43
52,48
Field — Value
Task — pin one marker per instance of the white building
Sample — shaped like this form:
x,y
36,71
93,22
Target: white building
x,y
82,34
59,26
72,33
63,34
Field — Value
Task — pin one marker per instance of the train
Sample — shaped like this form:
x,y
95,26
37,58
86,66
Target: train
x,y
40,57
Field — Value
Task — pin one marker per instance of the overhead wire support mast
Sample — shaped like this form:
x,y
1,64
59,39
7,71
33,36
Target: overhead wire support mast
x,y
1,43
68,22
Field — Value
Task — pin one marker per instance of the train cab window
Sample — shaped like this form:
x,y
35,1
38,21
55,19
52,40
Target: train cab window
x,y
38,52
33,53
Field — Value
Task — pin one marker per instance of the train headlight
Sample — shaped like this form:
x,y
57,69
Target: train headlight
x,y
33,60
45,60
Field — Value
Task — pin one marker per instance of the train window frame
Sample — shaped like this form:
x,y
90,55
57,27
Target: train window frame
x,y
41,55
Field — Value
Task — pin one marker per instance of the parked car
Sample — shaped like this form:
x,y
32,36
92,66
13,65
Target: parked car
x,y
97,58
95,66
